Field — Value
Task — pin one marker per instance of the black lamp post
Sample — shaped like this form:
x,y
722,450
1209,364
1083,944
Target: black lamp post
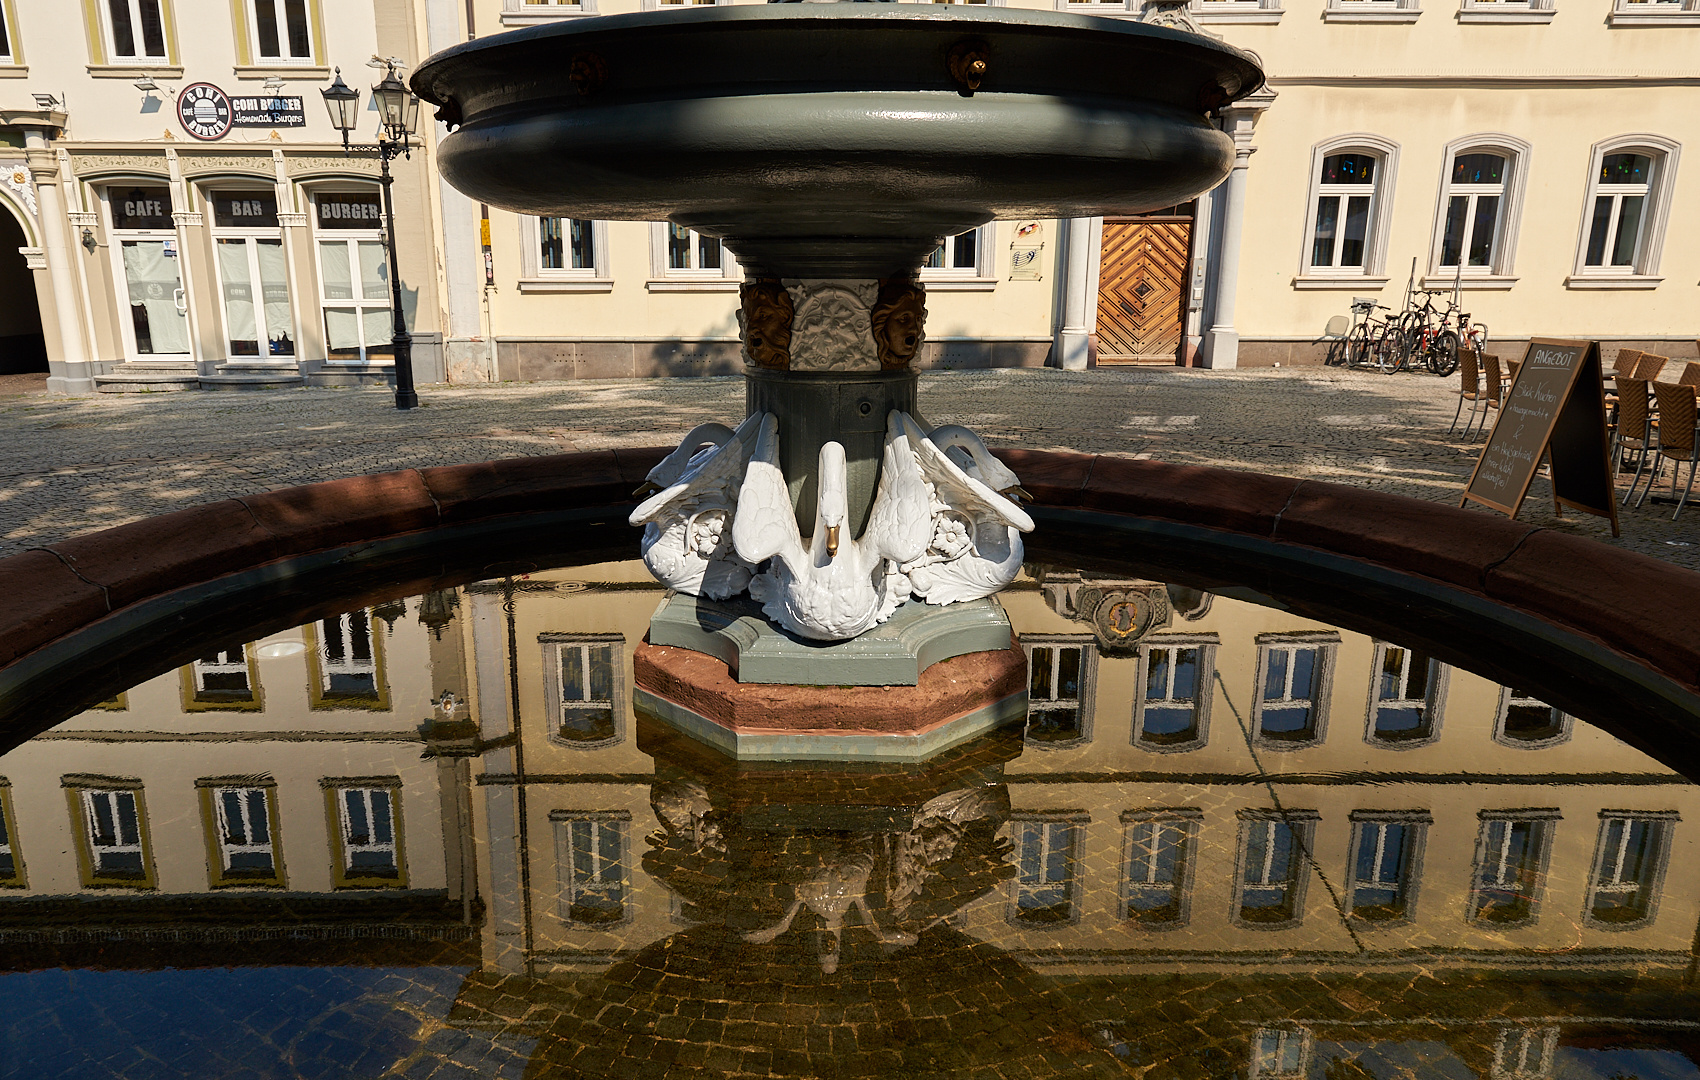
x,y
398,110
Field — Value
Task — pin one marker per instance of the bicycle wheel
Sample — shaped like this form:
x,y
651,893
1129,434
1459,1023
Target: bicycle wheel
x,y
1387,348
1359,346
1443,353
1408,336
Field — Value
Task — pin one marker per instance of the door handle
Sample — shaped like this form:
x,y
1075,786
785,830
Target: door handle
x,y
181,299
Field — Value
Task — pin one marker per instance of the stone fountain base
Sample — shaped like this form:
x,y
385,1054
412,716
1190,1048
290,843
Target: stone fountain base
x,y
952,700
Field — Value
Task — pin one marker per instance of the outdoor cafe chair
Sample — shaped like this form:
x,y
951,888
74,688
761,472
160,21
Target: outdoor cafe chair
x,y
1650,367
1492,390
1469,389
1690,375
1634,430
1676,440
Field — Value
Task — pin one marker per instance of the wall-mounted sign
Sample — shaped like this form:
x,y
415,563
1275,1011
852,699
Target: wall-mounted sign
x,y
141,208
340,210
244,209
204,111
267,112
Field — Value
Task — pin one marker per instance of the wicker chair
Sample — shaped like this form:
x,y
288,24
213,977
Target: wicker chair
x,y
1625,362
1650,367
1492,391
1690,375
1676,440
1634,430
1469,389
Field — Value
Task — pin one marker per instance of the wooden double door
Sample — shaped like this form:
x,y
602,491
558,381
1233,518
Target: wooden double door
x,y
1143,286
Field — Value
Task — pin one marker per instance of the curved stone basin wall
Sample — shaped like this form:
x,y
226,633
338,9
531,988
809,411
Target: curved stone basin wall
x,y
1511,600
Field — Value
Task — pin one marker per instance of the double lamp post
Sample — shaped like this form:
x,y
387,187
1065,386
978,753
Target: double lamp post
x,y
398,112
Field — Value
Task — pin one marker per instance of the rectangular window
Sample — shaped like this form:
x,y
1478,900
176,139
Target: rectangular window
x,y
254,274
223,675
282,31
367,817
1271,877
960,256
1047,859
1059,676
1629,866
1511,859
1341,231
1406,697
354,276
566,244
1157,863
688,250
11,859
113,835
1172,706
1475,189
590,855
347,663
1620,199
136,29
583,678
1527,721
242,819
7,53
1386,854
1296,678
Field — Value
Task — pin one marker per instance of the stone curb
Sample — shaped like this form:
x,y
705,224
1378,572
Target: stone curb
x,y
1637,606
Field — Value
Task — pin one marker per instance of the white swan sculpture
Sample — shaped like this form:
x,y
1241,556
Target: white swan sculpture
x,y
687,535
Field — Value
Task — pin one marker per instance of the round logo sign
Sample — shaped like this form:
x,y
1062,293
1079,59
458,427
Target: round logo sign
x,y
204,111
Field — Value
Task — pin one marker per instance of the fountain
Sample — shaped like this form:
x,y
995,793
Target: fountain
x,y
832,147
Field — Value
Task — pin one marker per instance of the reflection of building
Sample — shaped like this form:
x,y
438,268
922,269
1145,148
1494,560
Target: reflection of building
x,y
186,214
260,787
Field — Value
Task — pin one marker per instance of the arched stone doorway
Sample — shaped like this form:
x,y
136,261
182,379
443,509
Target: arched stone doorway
x,y
22,347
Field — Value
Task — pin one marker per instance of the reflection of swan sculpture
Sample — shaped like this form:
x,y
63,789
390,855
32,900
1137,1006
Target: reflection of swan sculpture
x,y
687,535
831,894
836,587
975,548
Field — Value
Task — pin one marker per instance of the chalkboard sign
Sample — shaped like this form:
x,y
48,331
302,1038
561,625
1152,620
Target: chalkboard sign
x,y
1555,407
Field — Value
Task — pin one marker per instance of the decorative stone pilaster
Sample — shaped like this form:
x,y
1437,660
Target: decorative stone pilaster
x,y
1221,348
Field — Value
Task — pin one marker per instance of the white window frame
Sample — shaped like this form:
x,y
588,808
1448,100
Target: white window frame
x,y
1086,703
555,647
221,822
121,277
349,664
535,277
1612,856
8,50
1205,691
348,874
1507,699
267,232
1370,827
1372,11
282,20
1373,271
1498,273
1281,1039
1327,645
1243,12
1506,11
87,797
1655,13
1071,825
110,36
1542,823
1644,274
1303,826
1136,873
1511,1053
527,12
662,278
358,302
615,822
1433,701
950,278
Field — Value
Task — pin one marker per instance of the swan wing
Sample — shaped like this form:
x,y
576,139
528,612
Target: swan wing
x,y
716,469
765,525
901,522
670,469
986,468
961,492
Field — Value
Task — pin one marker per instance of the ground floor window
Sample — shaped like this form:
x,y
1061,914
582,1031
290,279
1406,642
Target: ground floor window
x,y
354,275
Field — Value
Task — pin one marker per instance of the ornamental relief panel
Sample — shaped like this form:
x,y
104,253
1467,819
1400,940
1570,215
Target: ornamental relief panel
x,y
196,165
150,164
332,164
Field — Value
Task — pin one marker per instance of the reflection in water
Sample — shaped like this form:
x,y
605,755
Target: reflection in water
x,y
431,838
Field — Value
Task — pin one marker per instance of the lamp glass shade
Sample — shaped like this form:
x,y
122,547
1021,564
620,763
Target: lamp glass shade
x,y
392,98
343,103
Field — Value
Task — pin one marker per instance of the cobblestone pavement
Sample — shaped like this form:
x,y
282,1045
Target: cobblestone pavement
x,y
70,466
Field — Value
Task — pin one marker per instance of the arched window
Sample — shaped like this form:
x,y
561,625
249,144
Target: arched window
x,y
1630,179
1481,201
1351,191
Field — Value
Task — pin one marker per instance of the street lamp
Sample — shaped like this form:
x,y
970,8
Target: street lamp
x,y
398,112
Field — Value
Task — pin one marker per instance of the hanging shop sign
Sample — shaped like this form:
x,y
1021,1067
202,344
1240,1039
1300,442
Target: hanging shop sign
x,y
268,112
350,211
204,111
1556,408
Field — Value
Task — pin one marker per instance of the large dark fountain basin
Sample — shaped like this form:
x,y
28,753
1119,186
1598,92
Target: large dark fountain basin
x,y
1603,633
834,140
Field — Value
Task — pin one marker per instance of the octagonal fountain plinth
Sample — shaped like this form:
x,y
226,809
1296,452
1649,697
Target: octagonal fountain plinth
x,y
833,147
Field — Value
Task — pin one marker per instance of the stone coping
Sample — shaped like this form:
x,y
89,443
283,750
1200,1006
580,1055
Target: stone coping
x,y
1637,607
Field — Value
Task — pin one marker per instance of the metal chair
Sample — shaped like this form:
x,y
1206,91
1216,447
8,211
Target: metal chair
x,y
1676,440
1634,430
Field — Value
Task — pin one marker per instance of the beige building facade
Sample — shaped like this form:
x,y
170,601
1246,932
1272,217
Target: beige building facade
x,y
184,215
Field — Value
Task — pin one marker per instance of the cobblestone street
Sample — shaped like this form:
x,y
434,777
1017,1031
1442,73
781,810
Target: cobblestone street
x,y
70,466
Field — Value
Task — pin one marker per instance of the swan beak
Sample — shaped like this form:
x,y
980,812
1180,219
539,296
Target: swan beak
x,y
645,490
831,540
1017,494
